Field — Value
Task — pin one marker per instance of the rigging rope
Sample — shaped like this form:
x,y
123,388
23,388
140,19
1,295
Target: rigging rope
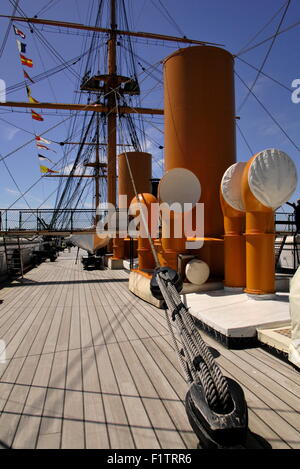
x,y
261,30
266,56
8,29
245,140
163,10
265,74
269,114
46,7
294,25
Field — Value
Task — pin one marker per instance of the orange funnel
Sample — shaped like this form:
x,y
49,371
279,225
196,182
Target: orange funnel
x,y
140,164
200,121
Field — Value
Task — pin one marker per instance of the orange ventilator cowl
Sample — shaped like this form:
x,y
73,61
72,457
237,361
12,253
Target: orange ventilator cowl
x,y
269,179
234,227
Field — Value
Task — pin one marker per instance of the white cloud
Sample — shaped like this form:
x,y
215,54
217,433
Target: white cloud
x,y
8,133
89,205
12,191
17,193
67,169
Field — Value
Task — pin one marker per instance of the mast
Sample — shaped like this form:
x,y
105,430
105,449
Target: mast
x,y
111,104
97,167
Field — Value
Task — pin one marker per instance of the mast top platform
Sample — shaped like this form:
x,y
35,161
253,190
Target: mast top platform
x,y
102,84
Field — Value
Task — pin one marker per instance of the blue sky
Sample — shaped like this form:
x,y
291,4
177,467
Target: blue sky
x,y
230,22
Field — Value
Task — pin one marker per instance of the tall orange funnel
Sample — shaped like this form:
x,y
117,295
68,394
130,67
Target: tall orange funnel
x,y
140,164
200,121
141,168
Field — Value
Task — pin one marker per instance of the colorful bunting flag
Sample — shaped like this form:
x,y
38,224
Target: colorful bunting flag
x,y
44,169
43,158
27,76
39,145
18,32
26,61
29,63
30,98
41,139
21,46
36,116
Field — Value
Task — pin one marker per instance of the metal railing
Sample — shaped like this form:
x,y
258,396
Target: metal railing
x,y
80,219
285,222
46,219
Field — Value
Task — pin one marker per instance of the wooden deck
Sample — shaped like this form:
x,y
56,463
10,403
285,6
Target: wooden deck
x,y
89,365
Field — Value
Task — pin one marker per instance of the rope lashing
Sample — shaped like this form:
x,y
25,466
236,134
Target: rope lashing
x,y
196,359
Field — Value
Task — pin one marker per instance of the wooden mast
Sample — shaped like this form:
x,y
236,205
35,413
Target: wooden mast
x,y
111,104
97,168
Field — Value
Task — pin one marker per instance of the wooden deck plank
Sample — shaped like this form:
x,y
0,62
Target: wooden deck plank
x,y
272,379
51,421
5,390
152,320
127,379
10,416
19,322
134,408
52,412
119,435
257,425
73,435
171,394
119,430
20,336
36,395
290,375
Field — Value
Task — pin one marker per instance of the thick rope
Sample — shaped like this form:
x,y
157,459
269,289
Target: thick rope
x,y
195,349
217,376
200,372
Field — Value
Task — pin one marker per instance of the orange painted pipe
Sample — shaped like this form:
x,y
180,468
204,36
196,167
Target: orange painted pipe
x,y
145,256
171,246
234,246
260,237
